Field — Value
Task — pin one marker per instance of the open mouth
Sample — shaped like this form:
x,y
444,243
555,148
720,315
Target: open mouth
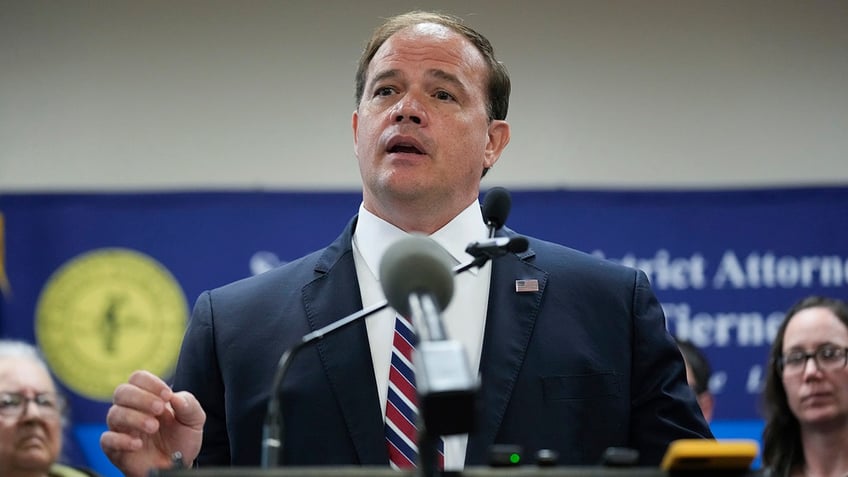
x,y
404,145
405,148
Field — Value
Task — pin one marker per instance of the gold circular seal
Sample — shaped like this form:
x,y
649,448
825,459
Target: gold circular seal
x,y
106,313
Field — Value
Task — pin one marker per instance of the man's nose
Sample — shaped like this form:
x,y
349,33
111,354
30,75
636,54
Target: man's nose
x,y
409,108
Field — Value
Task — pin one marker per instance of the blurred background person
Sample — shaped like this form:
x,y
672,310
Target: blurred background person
x,y
698,373
806,392
31,416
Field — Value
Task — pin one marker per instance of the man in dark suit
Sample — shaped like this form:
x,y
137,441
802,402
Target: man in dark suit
x,y
572,351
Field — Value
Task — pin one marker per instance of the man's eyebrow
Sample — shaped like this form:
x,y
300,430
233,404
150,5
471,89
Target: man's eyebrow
x,y
386,74
449,77
435,73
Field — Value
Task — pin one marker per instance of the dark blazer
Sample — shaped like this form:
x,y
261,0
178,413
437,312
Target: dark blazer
x,y
580,365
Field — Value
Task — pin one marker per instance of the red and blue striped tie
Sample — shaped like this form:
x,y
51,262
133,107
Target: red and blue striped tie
x,y
402,401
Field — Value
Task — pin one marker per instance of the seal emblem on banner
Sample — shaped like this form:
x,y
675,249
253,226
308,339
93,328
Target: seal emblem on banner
x,y
106,313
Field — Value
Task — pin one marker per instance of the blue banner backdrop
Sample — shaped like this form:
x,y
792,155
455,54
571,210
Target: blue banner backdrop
x,y
104,282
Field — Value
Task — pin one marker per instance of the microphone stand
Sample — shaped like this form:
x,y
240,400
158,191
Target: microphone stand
x,y
446,387
273,429
493,227
272,444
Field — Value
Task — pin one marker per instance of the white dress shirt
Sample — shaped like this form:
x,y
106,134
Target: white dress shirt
x,y
464,318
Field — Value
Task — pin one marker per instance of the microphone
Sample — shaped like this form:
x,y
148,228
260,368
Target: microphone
x,y
272,429
416,278
497,247
416,266
496,206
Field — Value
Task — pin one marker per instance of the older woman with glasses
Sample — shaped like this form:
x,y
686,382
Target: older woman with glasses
x,y
806,393
31,415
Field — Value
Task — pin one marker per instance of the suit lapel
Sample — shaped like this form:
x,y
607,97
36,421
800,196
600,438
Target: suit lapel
x,y
345,355
509,326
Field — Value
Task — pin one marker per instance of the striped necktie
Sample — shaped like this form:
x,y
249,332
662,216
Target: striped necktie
x,y
402,402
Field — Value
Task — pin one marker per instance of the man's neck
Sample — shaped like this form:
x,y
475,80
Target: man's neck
x,y
417,217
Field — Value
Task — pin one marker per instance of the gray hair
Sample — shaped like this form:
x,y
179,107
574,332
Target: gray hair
x,y
22,349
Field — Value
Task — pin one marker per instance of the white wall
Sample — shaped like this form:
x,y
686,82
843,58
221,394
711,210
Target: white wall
x,y
164,94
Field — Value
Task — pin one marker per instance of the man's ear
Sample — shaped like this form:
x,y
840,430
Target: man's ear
x,y
354,123
498,138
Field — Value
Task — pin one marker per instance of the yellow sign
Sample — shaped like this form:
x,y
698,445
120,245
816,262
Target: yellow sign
x,y
106,313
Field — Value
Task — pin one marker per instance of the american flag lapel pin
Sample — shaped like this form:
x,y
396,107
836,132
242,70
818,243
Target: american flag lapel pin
x,y
526,286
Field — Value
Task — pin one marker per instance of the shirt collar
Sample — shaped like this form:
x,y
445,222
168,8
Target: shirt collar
x,y
374,235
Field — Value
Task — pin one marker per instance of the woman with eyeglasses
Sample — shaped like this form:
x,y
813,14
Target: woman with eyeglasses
x,y
31,416
806,392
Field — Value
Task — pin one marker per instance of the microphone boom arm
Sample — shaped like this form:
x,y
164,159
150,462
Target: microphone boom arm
x,y
272,444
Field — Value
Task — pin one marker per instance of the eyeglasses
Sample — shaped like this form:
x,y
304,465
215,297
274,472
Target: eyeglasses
x,y
14,404
827,358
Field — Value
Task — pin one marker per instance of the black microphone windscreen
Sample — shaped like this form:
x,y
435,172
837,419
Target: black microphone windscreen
x,y
518,244
496,205
416,264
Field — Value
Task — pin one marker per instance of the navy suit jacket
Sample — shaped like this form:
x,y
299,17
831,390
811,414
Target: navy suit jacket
x,y
580,365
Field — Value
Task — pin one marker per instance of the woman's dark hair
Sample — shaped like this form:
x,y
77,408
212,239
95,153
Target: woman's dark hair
x,y
782,450
498,88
